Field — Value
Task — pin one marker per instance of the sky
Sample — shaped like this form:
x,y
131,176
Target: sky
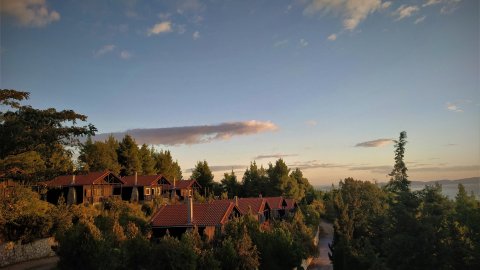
x,y
324,84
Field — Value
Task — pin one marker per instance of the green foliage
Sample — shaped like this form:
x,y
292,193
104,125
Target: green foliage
x,y
23,216
147,160
203,175
24,128
128,156
230,185
399,180
100,156
165,165
255,181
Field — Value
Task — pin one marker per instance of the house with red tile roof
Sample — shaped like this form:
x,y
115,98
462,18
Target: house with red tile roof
x,y
281,206
258,206
148,186
208,218
92,187
183,189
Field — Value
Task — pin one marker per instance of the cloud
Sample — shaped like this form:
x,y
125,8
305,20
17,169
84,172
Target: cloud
x,y
374,143
222,168
314,164
311,123
125,55
383,169
419,20
352,11
280,43
181,29
453,107
193,134
275,156
159,28
332,37
196,35
303,43
431,2
404,11
104,50
30,13
386,5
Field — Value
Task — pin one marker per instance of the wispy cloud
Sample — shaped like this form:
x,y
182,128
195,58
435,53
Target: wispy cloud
x,y
419,20
196,35
431,3
352,11
453,107
332,37
280,43
405,11
125,54
303,43
222,168
104,50
193,134
311,123
315,164
30,13
374,143
159,28
383,169
276,156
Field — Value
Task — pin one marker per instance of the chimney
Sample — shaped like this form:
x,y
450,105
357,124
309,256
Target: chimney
x,y
260,195
174,180
136,179
73,180
236,201
189,210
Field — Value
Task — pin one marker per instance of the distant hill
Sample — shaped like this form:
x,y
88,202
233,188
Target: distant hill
x,y
465,181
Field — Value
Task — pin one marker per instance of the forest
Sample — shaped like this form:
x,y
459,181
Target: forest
x,y
375,227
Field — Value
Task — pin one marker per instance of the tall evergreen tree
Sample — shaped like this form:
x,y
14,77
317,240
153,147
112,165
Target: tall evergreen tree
x,y
203,175
254,181
399,178
147,160
128,156
165,165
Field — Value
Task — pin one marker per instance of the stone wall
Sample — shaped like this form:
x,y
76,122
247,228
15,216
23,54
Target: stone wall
x,y
15,252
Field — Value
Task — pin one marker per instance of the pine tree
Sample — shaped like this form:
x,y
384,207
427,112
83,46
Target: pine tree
x,y
128,156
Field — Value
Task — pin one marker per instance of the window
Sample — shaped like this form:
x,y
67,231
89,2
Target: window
x,y
147,191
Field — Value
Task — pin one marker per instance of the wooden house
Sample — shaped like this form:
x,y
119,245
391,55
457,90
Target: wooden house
x,y
148,187
183,189
259,207
92,187
277,206
208,218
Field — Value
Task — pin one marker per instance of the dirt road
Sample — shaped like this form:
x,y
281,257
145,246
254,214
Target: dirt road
x,y
322,262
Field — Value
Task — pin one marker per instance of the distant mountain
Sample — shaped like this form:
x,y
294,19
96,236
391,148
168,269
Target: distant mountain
x,y
465,181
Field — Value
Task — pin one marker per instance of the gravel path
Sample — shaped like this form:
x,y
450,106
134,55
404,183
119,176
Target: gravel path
x,y
40,264
322,262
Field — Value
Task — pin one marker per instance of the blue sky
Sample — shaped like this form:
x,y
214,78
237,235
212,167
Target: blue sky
x,y
237,81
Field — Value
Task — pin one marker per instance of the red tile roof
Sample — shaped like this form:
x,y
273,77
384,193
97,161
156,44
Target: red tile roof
x,y
206,214
276,203
144,180
183,184
82,179
291,203
257,205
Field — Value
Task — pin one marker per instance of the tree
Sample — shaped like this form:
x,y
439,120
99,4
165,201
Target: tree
x,y
399,178
254,181
24,128
99,156
165,165
230,184
203,174
128,156
147,160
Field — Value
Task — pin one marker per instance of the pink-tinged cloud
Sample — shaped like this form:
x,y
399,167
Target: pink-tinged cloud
x,y
276,156
374,143
193,134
